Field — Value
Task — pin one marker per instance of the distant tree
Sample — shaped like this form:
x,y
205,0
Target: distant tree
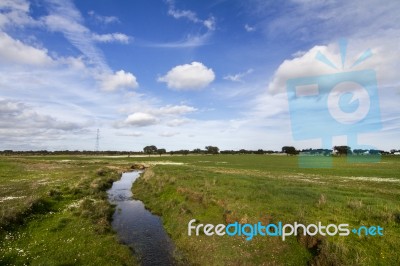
x,y
342,150
212,149
289,150
197,151
150,149
259,151
228,152
161,151
374,152
359,151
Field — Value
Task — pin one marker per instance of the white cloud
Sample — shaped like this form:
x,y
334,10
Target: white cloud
x,y
14,51
191,40
210,23
303,66
249,28
190,15
15,13
188,77
177,122
64,17
16,116
121,79
238,77
168,134
384,60
111,37
131,134
103,19
62,23
145,114
176,109
187,42
272,105
318,21
73,62
141,119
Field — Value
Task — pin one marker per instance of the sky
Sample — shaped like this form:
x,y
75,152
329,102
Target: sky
x,y
188,74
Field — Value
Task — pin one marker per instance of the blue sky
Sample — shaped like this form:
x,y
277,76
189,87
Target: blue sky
x,y
186,74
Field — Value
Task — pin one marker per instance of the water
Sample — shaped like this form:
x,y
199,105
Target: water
x,y
137,227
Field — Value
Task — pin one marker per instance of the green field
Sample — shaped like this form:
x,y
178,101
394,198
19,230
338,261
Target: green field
x,y
54,211
54,208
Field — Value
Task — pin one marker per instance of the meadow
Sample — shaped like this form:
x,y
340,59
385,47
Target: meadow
x,y
251,188
54,209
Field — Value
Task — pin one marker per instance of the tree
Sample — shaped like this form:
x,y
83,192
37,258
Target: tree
x,y
374,152
212,149
161,151
259,151
150,149
289,150
342,150
197,151
359,151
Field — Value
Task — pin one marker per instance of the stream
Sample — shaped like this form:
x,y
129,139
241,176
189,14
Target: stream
x,y
137,227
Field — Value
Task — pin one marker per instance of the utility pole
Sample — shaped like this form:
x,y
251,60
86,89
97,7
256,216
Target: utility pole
x,y
97,140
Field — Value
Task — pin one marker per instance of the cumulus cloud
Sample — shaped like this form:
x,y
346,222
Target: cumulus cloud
x,y
304,66
111,37
121,79
141,119
384,61
188,77
14,51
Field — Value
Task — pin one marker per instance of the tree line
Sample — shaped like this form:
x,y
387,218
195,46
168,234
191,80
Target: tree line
x,y
337,150
153,150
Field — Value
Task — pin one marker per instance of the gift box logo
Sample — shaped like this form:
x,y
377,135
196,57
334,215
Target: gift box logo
x,y
325,106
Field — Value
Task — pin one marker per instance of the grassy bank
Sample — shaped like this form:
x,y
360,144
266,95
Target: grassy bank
x,y
252,188
54,211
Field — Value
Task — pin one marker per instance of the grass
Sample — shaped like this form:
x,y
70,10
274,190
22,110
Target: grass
x,y
252,188
54,210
